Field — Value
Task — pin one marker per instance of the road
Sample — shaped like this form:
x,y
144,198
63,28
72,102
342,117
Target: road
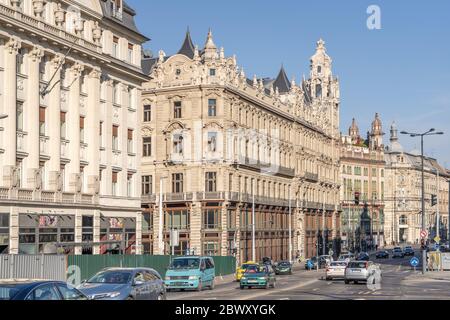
x,y
399,282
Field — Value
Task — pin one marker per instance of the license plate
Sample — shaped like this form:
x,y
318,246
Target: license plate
x,y
178,284
356,270
252,281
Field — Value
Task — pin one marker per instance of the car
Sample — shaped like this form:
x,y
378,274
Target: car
x,y
347,257
335,270
283,267
39,290
327,258
363,256
357,271
190,272
124,284
261,276
382,254
397,253
408,251
241,270
267,261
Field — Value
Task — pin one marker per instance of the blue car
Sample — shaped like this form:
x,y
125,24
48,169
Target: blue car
x,y
125,284
190,272
38,290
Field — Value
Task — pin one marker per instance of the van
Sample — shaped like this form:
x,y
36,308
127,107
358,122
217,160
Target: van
x,y
190,272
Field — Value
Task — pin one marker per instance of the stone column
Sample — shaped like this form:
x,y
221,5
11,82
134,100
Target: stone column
x,y
54,128
139,248
78,231
93,131
196,222
107,132
123,139
11,49
73,129
96,231
224,235
34,57
14,230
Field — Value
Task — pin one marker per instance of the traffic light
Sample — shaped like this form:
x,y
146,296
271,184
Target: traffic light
x,y
433,200
357,198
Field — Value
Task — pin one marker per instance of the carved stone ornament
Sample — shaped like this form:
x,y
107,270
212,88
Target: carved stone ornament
x,y
36,54
15,4
38,179
96,33
38,7
59,16
13,45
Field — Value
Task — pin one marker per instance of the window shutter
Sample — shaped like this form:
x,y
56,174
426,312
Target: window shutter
x,y
82,122
114,177
63,117
130,134
115,131
41,114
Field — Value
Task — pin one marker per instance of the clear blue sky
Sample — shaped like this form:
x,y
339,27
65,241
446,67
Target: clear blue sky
x,y
401,71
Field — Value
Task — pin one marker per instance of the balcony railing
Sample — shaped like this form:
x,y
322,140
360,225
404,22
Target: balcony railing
x,y
309,176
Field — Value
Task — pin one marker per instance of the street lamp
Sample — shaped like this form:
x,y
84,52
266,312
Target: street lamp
x,y
421,135
161,219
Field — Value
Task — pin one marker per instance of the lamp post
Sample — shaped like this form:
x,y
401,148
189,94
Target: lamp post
x,y
161,218
421,135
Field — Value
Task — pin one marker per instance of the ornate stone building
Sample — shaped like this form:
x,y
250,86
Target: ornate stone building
x,y
71,78
404,191
363,178
218,142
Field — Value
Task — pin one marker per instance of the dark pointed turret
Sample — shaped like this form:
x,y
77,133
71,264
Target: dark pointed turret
x,y
188,47
282,82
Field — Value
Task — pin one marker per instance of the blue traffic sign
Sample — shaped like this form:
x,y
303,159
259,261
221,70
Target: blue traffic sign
x,y
414,262
310,264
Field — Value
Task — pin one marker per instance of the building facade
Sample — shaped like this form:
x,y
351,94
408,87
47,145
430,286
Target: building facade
x,y
363,188
218,147
404,191
71,82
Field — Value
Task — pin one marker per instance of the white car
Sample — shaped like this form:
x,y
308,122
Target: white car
x,y
360,271
346,257
336,270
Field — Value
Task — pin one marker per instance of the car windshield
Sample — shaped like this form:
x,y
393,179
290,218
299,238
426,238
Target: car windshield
x,y
185,263
255,269
357,265
284,264
245,266
7,292
338,264
115,277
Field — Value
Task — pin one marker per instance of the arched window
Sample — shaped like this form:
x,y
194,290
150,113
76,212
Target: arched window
x,y
318,90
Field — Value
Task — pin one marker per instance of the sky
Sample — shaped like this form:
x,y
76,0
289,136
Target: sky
x,y
401,71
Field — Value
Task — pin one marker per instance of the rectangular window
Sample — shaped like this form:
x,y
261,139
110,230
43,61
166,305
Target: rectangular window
x,y
147,147
115,138
177,183
212,107
357,171
147,185
4,233
147,113
115,48
63,125
211,219
19,116
374,172
41,121
366,172
114,183
130,52
130,141
211,248
177,219
210,181
177,110
212,72
212,141
130,185
178,143
82,129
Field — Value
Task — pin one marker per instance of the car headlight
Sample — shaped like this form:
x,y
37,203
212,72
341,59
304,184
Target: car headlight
x,y
261,278
243,278
113,294
193,277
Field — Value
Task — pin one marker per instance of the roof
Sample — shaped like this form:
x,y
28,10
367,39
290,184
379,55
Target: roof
x,y
282,82
127,20
24,281
187,48
147,65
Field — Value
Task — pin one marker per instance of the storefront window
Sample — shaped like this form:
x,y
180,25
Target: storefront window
x,y
120,233
4,233
211,248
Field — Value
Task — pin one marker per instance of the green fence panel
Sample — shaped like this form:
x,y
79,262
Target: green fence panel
x,y
91,264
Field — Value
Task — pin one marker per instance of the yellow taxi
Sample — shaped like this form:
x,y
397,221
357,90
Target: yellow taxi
x,y
241,270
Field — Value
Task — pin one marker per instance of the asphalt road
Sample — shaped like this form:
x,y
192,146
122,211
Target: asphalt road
x,y
399,282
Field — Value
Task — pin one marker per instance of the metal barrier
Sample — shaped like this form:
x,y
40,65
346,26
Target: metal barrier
x,y
43,267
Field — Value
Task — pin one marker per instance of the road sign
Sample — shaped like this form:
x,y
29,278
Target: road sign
x,y
414,262
174,238
437,239
423,234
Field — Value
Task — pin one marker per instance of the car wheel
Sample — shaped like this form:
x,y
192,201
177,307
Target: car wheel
x,y
346,281
242,287
130,298
161,297
328,279
355,282
199,288
212,285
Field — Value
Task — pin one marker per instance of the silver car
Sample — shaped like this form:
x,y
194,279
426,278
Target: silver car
x,y
346,257
125,284
357,271
336,270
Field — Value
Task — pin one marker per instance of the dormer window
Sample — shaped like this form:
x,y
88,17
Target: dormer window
x,y
116,9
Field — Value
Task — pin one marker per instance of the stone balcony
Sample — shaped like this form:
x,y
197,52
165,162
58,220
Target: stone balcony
x,y
264,168
25,195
